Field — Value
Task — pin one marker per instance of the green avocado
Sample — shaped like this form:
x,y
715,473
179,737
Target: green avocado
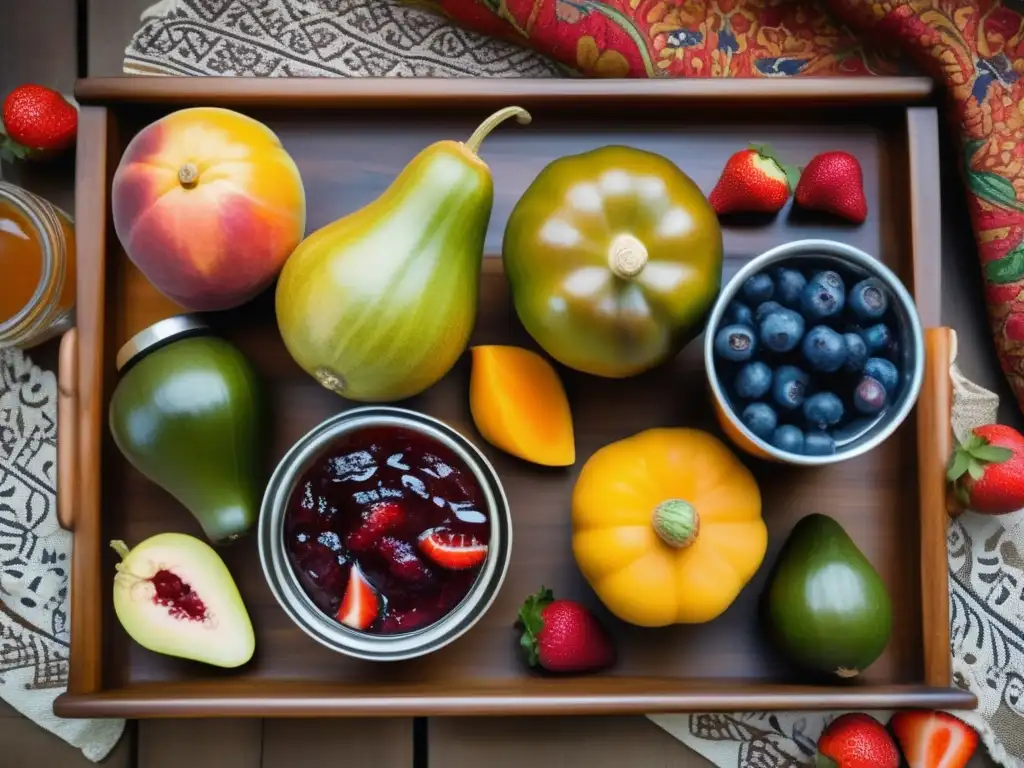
x,y
186,416
828,608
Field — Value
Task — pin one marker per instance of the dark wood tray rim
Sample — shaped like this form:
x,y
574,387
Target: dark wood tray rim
x,y
402,93
86,696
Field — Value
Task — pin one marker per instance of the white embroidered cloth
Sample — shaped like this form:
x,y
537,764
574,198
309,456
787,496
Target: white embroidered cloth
x,y
35,559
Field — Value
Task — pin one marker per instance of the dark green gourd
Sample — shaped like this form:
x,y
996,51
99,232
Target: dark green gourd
x,y
186,414
829,610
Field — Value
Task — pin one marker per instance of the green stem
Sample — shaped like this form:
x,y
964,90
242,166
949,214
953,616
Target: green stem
x,y
120,547
492,122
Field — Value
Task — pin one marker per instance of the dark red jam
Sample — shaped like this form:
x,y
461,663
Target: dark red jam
x,y
387,530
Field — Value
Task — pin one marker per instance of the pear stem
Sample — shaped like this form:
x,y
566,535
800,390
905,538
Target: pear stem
x,y
627,256
492,122
188,175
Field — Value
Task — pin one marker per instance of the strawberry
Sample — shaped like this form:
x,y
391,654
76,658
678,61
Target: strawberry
x,y
402,560
359,605
987,471
378,520
752,181
933,739
36,120
856,740
452,551
834,183
562,635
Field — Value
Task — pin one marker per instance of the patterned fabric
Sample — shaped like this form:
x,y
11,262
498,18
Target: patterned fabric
x,y
975,48
35,556
319,38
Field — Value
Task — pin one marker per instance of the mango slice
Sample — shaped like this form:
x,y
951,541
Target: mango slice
x,y
519,405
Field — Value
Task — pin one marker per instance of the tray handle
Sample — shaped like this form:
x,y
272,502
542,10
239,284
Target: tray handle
x,y
934,443
67,429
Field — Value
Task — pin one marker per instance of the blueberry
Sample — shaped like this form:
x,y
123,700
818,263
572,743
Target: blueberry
x,y
788,438
884,372
869,396
758,288
760,419
824,349
868,299
764,309
789,385
819,444
823,409
753,380
877,337
856,352
738,313
823,296
788,285
735,343
781,330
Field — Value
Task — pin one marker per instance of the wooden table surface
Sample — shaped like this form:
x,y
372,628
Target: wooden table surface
x,y
39,42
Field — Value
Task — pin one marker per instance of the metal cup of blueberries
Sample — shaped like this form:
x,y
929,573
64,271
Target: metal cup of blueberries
x,y
814,353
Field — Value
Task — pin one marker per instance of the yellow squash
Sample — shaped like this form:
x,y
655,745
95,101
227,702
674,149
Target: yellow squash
x,y
667,527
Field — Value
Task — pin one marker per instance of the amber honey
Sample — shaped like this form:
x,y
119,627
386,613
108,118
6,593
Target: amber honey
x,y
37,268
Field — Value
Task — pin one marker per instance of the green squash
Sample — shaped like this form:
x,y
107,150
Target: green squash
x,y
614,259
828,608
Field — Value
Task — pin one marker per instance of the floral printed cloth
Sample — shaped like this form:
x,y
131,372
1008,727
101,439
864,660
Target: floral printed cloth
x,y
974,48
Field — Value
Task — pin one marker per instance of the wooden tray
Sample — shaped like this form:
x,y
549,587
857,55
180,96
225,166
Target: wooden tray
x,y
350,138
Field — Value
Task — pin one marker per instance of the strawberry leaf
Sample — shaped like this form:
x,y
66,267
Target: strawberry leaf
x,y
764,151
792,175
975,470
10,150
532,622
958,464
992,454
975,441
824,761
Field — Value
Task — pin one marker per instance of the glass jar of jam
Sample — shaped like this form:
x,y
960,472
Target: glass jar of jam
x,y
37,264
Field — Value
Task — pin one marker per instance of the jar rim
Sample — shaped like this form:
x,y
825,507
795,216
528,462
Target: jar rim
x,y
51,278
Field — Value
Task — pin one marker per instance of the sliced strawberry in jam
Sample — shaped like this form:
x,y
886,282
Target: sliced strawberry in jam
x,y
450,550
402,560
380,519
360,606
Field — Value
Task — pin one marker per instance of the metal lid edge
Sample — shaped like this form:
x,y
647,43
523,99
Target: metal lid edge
x,y
158,334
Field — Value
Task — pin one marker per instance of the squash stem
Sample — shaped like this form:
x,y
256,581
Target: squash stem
x,y
492,122
627,256
676,522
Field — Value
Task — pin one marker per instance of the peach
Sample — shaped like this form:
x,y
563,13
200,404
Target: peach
x,y
208,205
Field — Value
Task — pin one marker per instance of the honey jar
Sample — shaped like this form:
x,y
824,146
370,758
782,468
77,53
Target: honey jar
x,y
37,268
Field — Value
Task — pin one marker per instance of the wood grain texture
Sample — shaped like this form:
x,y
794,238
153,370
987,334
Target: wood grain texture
x,y
381,743
201,744
346,163
925,212
67,428
403,93
594,742
934,439
111,25
90,234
